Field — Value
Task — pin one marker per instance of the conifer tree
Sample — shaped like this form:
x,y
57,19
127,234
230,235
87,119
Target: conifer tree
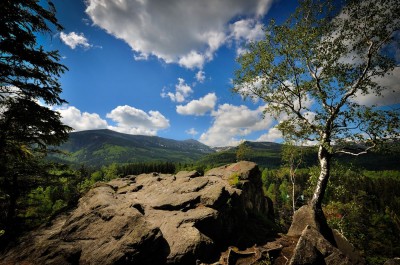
x,y
28,81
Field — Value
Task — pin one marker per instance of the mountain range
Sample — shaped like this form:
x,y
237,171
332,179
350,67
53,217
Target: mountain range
x,y
103,147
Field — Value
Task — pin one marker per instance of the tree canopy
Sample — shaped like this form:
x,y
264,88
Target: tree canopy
x,y
28,82
313,69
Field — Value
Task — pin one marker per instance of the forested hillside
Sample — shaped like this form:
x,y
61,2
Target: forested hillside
x,y
97,148
269,155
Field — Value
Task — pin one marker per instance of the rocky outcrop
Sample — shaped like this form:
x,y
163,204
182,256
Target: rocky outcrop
x,y
314,248
155,219
275,252
309,247
302,218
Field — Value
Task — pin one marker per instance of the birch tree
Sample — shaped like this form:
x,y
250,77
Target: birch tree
x,y
292,156
314,70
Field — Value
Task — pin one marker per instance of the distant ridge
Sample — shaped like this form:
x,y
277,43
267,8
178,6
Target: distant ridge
x,y
102,147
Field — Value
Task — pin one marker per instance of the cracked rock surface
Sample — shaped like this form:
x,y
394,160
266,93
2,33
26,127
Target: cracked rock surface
x,y
154,219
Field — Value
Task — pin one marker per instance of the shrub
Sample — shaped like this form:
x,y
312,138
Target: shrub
x,y
234,180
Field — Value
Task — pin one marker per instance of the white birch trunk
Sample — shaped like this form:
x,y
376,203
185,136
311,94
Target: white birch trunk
x,y
319,192
292,178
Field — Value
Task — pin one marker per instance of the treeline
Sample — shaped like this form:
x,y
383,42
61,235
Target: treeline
x,y
139,168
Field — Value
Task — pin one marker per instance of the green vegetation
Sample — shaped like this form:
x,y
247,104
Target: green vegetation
x,y
309,70
292,157
234,180
265,154
268,155
103,147
29,79
243,152
363,205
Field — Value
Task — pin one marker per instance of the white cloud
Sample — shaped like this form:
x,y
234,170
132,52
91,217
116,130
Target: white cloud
x,y
247,30
192,60
390,95
182,90
129,120
81,121
241,50
198,107
192,132
272,135
200,76
187,32
135,121
232,123
74,40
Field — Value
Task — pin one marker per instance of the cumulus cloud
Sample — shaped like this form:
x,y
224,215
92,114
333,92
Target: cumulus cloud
x,y
187,32
192,60
200,76
128,120
247,30
182,90
390,94
198,107
81,121
231,123
272,135
192,132
74,40
135,121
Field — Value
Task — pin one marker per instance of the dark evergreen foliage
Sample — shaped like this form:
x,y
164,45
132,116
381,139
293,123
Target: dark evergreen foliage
x,y
28,75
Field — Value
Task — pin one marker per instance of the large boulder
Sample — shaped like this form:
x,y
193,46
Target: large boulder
x,y
314,247
154,219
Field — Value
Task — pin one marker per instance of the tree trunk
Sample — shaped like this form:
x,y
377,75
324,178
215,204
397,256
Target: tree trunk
x,y
325,165
316,202
292,177
13,192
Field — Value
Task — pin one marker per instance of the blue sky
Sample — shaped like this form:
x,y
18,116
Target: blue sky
x,y
162,67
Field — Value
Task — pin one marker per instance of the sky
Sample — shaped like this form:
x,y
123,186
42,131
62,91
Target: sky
x,y
162,68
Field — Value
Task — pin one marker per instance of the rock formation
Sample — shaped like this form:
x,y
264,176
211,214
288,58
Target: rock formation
x,y
314,248
220,218
302,245
154,219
